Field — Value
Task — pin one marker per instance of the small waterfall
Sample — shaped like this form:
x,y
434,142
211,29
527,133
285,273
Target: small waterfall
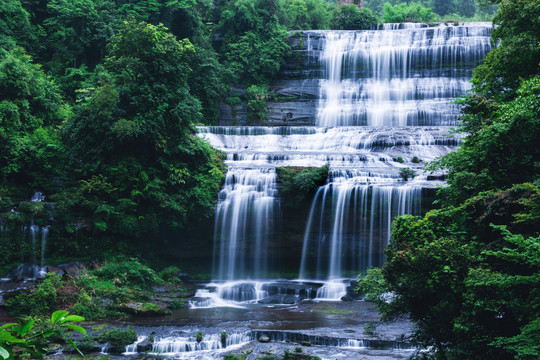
x,y
244,223
187,344
44,236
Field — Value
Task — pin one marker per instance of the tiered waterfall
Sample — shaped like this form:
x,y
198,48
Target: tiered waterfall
x,y
384,102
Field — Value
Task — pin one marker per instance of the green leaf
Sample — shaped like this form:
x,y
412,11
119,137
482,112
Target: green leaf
x,y
48,333
4,353
8,325
24,329
58,315
74,345
72,318
6,336
75,328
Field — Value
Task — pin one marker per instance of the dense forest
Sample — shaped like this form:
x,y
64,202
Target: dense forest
x,y
99,100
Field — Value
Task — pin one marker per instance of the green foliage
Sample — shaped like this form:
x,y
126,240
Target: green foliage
x,y
31,105
128,272
517,57
494,156
415,160
255,42
133,144
298,185
118,337
40,301
15,27
307,14
199,336
407,12
257,101
470,287
407,173
24,340
170,274
349,17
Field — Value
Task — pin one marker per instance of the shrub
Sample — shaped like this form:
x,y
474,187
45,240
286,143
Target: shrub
x,y
400,160
415,160
170,274
257,101
42,300
299,184
87,307
407,173
349,17
128,272
413,12
118,338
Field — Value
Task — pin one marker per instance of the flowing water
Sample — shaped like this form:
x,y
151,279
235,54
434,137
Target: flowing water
x,y
385,103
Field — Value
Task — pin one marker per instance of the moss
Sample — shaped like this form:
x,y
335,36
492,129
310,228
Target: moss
x,y
117,337
299,184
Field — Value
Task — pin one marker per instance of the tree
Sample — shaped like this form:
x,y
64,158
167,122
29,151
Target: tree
x,y
349,17
30,109
255,43
517,56
470,287
403,12
15,27
468,274
141,165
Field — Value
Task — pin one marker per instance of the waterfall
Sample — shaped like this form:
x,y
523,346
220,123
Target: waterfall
x,y
407,77
385,102
244,223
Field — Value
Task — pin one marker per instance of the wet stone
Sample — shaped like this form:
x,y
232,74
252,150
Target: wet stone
x,y
264,339
144,346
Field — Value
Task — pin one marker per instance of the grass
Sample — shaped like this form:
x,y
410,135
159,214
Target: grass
x,y
330,310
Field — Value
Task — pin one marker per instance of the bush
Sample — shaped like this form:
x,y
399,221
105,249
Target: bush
x,y
407,173
86,344
129,272
415,160
170,274
414,12
257,103
349,17
299,184
86,306
41,301
199,336
118,338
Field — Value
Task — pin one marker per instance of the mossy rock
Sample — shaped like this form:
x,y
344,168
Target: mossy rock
x,y
142,309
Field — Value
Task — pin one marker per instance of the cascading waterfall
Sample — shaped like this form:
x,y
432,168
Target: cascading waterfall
x,y
244,223
406,77
401,76
385,103
346,224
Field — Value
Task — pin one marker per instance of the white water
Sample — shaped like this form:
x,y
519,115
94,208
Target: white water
x,y
387,97
244,222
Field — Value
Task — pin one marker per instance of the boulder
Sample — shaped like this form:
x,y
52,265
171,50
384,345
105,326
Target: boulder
x,y
264,339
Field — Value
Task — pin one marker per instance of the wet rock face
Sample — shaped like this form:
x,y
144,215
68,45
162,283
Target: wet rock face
x,y
294,93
